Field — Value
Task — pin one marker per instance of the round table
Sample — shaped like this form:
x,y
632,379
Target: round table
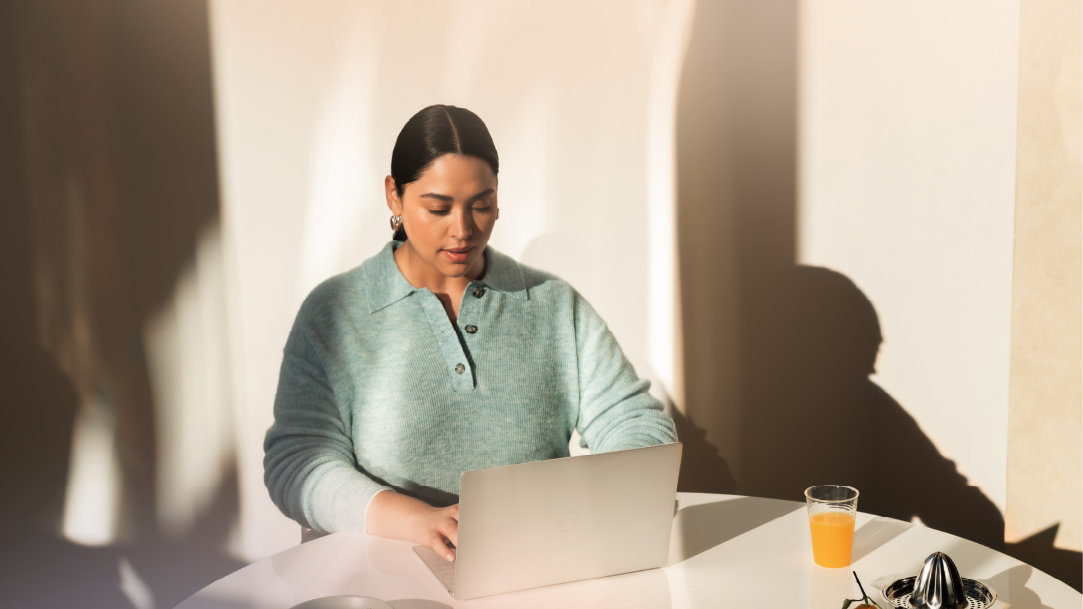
x,y
725,551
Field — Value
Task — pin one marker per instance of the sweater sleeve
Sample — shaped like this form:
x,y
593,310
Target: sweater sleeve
x,y
615,410
309,465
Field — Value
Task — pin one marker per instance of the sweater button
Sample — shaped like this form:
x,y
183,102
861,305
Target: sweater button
x,y
471,329
459,368
479,292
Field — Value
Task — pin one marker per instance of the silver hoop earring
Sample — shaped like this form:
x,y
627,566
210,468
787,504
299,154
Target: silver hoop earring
x,y
396,223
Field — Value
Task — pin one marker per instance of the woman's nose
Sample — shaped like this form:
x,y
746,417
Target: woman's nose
x,y
464,225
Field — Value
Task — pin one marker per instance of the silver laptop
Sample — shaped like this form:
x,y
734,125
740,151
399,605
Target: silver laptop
x,y
549,522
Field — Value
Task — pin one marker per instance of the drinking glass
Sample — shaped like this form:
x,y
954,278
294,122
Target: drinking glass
x,y
832,511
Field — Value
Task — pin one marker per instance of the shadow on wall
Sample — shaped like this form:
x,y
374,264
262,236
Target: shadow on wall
x,y
703,469
735,181
777,357
109,167
819,418
809,389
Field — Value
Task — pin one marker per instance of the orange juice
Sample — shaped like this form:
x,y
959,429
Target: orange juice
x,y
832,538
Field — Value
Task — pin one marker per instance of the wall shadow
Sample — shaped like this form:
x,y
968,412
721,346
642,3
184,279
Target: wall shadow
x,y
735,216
108,149
703,469
777,357
810,391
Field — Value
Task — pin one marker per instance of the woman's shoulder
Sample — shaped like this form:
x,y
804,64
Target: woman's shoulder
x,y
511,275
354,288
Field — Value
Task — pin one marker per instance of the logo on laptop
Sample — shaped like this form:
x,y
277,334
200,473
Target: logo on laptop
x,y
568,521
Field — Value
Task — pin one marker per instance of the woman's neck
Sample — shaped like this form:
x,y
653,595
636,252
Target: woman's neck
x,y
449,290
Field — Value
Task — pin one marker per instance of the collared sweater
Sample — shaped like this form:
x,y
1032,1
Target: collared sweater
x,y
380,390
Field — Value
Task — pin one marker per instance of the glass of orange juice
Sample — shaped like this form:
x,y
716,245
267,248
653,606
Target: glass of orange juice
x,y
832,511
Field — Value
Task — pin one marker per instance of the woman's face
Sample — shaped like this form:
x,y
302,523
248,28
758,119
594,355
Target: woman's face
x,y
448,214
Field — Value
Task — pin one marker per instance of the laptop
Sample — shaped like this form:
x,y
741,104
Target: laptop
x,y
561,520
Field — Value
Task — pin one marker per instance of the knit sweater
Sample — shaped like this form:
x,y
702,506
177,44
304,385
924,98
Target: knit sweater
x,y
380,390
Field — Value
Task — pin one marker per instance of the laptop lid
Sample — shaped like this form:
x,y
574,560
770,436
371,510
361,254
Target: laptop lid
x,y
560,520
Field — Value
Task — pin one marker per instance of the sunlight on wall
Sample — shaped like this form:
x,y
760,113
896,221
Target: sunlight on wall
x,y
341,151
90,503
907,164
663,326
188,355
579,98
1047,389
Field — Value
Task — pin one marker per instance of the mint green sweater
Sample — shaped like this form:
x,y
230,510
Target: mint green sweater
x,y
378,389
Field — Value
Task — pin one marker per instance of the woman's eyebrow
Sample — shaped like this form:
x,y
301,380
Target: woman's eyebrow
x,y
433,195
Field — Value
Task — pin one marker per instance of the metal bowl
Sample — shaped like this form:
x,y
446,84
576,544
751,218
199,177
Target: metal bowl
x,y
978,595
938,586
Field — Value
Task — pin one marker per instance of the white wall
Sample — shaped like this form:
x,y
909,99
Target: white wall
x,y
906,127
311,96
907,115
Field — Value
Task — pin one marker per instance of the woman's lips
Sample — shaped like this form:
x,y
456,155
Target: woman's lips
x,y
458,254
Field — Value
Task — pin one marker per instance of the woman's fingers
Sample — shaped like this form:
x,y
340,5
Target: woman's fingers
x,y
398,516
445,527
451,531
438,543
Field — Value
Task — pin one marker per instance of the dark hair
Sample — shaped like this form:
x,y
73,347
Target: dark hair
x,y
432,133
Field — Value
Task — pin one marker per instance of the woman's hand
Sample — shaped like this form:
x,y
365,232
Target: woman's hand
x,y
398,516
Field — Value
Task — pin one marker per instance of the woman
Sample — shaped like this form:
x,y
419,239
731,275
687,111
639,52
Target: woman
x,y
440,355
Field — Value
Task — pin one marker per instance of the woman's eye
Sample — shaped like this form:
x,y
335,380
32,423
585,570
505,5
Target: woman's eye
x,y
482,208
439,212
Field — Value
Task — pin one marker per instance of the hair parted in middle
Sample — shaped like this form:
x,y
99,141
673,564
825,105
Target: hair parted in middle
x,y
433,132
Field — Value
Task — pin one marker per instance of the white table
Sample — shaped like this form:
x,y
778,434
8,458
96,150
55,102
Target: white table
x,y
726,551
